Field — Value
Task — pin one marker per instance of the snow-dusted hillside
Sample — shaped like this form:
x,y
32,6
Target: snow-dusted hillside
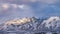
x,y
32,24
52,23
22,24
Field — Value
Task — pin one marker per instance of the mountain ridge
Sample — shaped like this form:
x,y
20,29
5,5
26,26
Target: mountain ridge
x,y
32,24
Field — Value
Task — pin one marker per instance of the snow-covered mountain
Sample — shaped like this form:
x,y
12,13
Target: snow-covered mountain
x,y
22,24
51,24
33,24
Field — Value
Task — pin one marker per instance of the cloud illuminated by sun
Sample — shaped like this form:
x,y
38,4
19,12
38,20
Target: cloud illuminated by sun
x,y
5,6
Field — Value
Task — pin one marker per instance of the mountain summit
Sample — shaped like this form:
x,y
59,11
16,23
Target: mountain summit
x,y
20,21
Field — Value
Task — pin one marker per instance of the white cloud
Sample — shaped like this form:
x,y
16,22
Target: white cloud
x,y
17,10
5,6
21,6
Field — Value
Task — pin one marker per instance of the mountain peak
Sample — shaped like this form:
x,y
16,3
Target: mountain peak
x,y
20,21
52,22
53,19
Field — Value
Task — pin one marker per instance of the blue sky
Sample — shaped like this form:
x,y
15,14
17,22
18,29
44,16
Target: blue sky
x,y
10,9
